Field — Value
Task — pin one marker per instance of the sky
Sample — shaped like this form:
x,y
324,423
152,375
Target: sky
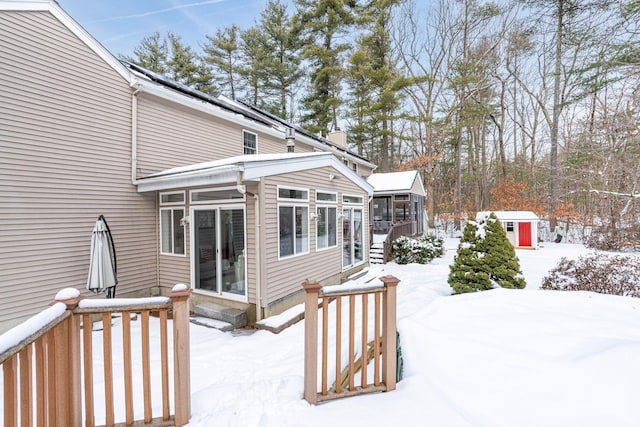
x,y
120,25
499,358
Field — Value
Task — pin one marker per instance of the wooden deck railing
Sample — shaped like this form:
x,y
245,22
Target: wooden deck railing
x,y
397,230
54,351
377,324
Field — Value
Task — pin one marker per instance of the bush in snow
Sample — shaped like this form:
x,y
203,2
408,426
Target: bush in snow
x,y
598,272
485,259
614,239
406,250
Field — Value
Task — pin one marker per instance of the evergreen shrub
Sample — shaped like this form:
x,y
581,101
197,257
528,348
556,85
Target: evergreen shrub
x,y
406,250
485,259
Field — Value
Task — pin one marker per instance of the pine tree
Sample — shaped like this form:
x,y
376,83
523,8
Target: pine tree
x,y
325,23
500,258
222,53
468,272
281,66
152,53
251,71
186,67
169,56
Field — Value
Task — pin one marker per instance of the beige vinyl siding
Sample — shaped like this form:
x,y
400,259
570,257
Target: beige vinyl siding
x,y
364,170
171,135
65,147
286,275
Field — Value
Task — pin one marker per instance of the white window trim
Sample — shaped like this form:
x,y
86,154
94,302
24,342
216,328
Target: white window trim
x,y
168,193
184,231
211,202
288,187
243,146
290,204
337,218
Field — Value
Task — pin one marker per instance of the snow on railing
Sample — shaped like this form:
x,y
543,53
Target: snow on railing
x,y
46,350
380,324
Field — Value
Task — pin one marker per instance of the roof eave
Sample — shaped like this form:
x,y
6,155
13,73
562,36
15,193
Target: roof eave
x,y
251,171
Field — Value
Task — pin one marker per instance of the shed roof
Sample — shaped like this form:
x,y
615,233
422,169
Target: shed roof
x,y
250,167
511,215
396,182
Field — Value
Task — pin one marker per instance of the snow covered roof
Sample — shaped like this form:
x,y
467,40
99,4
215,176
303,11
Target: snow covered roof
x,y
396,182
251,167
511,215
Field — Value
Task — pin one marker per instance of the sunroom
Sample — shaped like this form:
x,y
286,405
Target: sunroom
x,y
248,230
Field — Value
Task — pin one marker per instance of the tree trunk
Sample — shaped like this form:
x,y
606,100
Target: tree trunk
x,y
553,156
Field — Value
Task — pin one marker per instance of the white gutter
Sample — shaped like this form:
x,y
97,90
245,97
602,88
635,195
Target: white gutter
x,y
220,175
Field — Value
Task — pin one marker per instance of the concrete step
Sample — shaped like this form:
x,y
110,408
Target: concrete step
x,y
212,323
236,317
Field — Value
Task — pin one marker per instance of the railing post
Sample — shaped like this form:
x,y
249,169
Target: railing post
x,y
181,362
67,362
389,332
312,290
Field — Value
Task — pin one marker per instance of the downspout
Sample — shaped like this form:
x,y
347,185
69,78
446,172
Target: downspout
x,y
242,189
134,135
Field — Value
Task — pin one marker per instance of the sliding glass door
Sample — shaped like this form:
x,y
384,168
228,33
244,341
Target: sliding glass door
x,y
219,250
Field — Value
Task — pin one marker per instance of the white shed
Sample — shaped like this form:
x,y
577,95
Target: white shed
x,y
521,227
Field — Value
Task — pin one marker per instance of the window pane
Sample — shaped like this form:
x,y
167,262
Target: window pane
x,y
165,231
326,197
249,141
351,199
214,195
286,230
346,237
290,193
172,198
302,229
357,236
321,228
178,232
332,228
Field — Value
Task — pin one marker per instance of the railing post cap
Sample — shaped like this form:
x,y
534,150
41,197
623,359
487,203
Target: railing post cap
x,y
180,294
311,286
390,280
69,297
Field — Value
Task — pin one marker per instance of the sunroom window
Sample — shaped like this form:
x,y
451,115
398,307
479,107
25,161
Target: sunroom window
x,y
293,221
326,227
172,231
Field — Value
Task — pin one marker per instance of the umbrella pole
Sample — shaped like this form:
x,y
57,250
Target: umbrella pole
x,y
111,292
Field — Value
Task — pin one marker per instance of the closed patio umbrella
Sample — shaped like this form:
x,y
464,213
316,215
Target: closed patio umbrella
x,y
102,264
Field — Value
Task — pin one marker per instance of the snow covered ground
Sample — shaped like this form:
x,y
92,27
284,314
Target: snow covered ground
x,y
497,358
